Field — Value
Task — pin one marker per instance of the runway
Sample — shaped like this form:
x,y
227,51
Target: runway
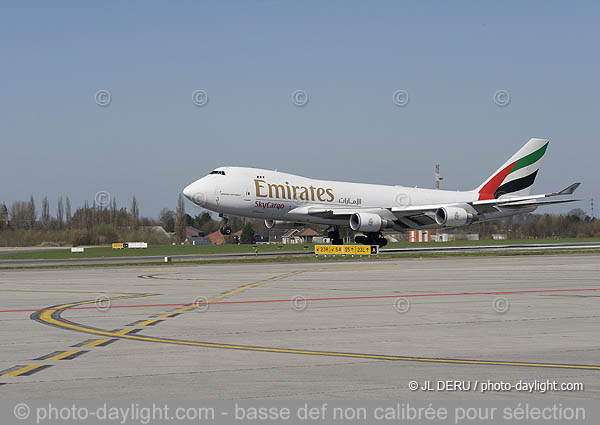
x,y
199,257
321,331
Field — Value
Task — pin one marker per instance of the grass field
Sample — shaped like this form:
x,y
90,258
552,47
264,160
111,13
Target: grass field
x,y
172,250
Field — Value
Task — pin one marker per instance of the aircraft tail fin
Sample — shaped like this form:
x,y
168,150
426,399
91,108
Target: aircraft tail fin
x,y
517,175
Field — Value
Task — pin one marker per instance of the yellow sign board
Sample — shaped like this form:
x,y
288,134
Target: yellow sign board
x,y
346,249
120,245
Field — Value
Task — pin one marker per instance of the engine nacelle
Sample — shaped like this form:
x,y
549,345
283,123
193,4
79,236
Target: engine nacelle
x,y
269,224
453,216
366,222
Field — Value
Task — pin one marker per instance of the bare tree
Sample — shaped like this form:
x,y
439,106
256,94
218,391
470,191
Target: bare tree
x,y
60,212
19,214
113,212
135,212
68,211
180,220
45,217
166,219
3,216
31,214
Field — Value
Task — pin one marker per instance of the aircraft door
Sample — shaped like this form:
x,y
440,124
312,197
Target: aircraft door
x,y
247,194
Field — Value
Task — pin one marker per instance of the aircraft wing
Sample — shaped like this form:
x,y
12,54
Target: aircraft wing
x,y
482,205
422,215
336,211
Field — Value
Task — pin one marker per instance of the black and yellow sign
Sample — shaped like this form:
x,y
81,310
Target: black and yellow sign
x,y
346,249
120,245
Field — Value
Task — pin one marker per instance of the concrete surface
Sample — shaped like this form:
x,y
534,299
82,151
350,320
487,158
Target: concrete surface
x,y
196,257
455,329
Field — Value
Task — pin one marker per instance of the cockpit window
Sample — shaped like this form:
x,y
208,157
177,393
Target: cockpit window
x,y
218,172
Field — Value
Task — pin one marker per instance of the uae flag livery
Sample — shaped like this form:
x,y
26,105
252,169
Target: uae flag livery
x,y
517,175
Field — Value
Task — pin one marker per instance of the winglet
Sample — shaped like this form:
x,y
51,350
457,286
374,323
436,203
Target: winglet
x,y
569,190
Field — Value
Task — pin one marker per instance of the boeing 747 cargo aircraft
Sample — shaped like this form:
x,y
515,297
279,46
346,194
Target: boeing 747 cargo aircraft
x,y
370,209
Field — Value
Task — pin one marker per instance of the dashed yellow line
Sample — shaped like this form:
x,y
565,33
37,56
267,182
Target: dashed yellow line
x,y
46,317
147,322
96,342
166,315
62,355
182,309
122,331
252,285
24,370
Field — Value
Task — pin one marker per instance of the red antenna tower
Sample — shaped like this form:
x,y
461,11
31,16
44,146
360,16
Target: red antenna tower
x,y
438,179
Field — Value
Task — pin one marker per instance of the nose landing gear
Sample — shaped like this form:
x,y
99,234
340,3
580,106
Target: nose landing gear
x,y
225,229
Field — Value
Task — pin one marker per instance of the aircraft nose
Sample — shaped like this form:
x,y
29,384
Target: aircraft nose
x,y
197,192
188,191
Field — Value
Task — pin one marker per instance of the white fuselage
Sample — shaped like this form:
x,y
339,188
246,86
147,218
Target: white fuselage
x,y
271,195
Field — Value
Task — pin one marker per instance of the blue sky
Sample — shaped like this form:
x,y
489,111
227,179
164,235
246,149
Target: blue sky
x,y
249,57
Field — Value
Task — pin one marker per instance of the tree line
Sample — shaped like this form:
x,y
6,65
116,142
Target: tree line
x,y
24,223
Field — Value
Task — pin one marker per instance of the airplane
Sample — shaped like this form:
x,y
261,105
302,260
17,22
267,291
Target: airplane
x,y
371,209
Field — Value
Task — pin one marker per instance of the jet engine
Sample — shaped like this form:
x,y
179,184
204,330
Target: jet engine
x,y
269,224
453,216
366,222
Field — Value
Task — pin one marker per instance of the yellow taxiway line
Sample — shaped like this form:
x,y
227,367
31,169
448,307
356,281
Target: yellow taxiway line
x,y
46,317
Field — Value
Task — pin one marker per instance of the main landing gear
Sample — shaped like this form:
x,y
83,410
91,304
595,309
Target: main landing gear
x,y
372,238
225,229
334,235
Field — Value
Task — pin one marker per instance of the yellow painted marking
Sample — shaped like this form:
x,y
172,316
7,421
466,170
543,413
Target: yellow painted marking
x,y
252,285
165,315
64,292
63,355
46,316
182,309
22,370
147,322
123,331
96,342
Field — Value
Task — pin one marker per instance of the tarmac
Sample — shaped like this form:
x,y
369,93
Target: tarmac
x,y
350,330
11,263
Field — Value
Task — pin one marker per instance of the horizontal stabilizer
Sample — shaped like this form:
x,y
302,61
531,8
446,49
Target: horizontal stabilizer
x,y
569,190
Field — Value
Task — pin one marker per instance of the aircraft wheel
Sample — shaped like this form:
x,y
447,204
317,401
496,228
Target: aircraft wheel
x,y
361,240
337,241
225,230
